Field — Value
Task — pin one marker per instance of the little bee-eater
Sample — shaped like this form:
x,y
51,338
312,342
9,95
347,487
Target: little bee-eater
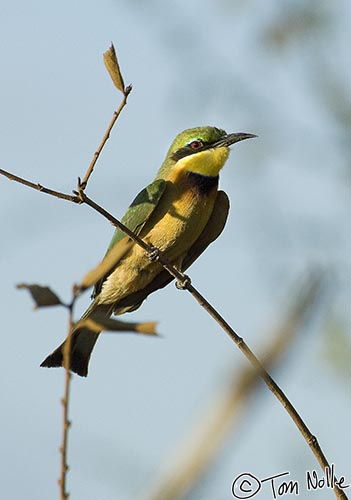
x,y
181,212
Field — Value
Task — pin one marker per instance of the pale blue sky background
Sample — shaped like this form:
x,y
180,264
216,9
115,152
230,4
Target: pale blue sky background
x,y
277,69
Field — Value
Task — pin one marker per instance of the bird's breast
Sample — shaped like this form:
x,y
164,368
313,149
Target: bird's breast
x,y
182,215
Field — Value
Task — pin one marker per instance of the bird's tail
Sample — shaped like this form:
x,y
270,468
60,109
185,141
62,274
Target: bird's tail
x,y
82,343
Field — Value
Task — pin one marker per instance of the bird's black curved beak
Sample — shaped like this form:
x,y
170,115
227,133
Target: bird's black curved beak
x,y
230,139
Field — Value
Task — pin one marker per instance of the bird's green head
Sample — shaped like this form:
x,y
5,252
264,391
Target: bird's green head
x,y
202,150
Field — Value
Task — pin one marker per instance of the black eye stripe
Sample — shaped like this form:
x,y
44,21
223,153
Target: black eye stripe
x,y
191,148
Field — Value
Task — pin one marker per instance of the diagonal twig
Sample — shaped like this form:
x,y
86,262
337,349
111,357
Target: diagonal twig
x,y
106,136
39,187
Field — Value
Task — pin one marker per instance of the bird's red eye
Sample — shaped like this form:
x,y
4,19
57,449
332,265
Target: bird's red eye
x,y
196,145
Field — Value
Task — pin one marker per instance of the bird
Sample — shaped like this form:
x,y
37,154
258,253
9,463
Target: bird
x,y
180,213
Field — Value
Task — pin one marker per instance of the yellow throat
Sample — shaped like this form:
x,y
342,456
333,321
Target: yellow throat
x,y
208,162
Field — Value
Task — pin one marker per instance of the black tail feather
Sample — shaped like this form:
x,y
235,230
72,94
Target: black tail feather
x,y
82,344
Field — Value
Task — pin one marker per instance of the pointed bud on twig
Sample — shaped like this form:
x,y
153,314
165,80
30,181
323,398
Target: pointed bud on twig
x,y
112,66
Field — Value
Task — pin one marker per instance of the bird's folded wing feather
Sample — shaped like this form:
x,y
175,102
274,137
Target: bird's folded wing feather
x,y
136,216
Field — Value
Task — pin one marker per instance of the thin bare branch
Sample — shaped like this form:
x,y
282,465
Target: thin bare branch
x,y
66,424
39,187
84,182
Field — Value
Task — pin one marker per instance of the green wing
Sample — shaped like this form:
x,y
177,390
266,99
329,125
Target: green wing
x,y
136,216
140,210
211,232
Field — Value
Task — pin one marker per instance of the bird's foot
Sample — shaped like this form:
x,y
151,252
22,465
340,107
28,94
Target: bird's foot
x,y
153,254
182,284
